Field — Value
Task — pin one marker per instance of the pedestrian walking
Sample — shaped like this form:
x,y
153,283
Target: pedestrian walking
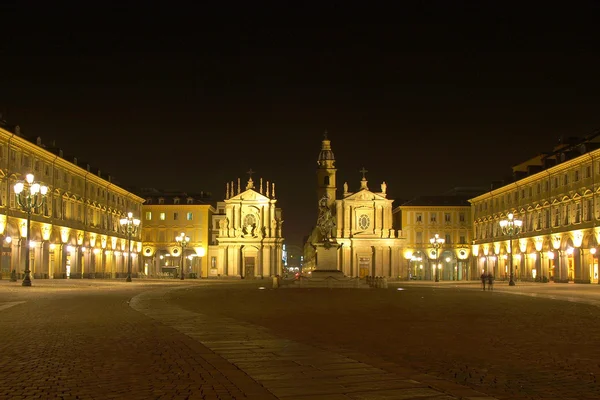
x,y
490,282
483,279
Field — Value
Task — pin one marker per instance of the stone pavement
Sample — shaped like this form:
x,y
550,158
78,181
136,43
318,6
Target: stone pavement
x,y
86,340
292,370
81,340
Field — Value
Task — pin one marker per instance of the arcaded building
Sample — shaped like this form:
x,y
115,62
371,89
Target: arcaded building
x,y
556,196
76,233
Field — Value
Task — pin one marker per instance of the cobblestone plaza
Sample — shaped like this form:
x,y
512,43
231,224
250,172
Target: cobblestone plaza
x,y
232,340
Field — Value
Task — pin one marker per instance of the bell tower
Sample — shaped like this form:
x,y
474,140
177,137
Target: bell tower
x,y
326,173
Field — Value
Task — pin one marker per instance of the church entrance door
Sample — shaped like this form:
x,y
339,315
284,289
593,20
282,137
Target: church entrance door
x,y
364,265
249,264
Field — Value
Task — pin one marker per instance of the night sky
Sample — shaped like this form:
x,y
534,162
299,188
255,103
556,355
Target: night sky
x,y
425,97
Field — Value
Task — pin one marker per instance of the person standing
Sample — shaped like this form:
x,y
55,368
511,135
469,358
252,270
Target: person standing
x,y
490,281
483,279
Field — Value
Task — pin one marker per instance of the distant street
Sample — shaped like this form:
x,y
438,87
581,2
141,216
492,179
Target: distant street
x,y
199,339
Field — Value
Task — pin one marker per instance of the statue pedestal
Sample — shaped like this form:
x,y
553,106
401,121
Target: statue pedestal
x,y
327,273
327,259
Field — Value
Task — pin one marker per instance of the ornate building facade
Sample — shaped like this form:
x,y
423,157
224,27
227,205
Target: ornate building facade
x,y
421,219
248,242
166,215
76,233
556,195
370,246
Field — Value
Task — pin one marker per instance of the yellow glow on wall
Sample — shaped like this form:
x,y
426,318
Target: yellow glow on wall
x,y
113,243
23,228
92,240
463,254
103,241
523,245
475,249
556,242
46,231
539,243
408,254
577,238
2,224
64,235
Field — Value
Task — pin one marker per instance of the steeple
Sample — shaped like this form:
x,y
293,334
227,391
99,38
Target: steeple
x,y
326,173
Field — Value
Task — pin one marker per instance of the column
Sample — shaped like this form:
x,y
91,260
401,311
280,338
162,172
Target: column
x,y
346,222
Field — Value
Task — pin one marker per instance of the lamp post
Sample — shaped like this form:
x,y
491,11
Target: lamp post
x,y
130,226
437,242
511,227
30,195
183,242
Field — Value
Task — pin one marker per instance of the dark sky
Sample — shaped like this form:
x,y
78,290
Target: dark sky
x,y
426,97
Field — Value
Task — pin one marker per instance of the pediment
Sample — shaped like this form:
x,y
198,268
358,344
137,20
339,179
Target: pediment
x,y
249,195
364,195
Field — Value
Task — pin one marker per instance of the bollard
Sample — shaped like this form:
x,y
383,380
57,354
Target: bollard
x,y
385,283
275,282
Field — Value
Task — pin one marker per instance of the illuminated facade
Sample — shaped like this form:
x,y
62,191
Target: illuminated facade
x,y
76,233
164,217
424,217
248,242
556,196
370,246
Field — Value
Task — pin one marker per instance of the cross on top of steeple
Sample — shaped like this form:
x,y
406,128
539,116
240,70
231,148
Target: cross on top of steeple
x,y
250,172
363,171
325,134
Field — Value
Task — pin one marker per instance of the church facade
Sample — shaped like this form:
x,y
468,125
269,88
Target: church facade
x,y
248,240
368,243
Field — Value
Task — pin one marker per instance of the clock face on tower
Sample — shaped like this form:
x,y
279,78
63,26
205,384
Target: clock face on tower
x,y
363,222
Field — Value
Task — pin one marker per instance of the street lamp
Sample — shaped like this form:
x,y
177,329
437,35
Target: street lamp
x,y
30,195
183,242
130,226
511,227
437,242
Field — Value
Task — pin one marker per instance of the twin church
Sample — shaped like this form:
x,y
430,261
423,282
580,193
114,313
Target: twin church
x,y
250,240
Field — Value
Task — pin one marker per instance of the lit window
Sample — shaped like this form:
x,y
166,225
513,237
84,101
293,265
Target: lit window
x,y
189,216
162,216
148,215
